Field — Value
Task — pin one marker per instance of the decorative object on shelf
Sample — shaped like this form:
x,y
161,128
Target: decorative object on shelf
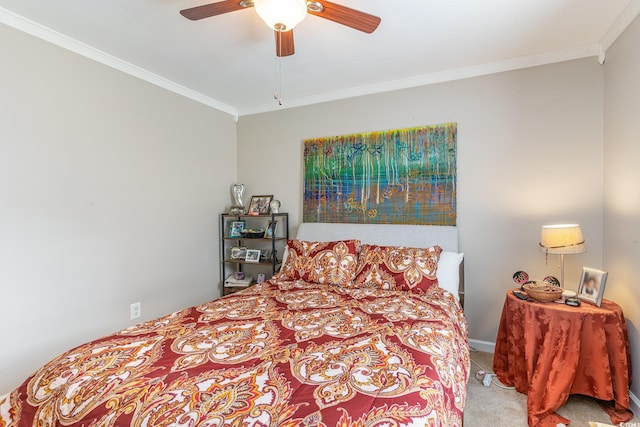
x,y
275,206
562,239
272,228
265,254
238,275
253,255
541,291
238,252
237,191
592,285
252,233
259,205
237,227
233,282
261,278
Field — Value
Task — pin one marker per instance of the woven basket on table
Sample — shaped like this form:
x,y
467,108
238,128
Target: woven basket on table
x,y
542,292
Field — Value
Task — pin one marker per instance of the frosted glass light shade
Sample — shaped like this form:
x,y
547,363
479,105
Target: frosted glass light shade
x,y
562,239
281,15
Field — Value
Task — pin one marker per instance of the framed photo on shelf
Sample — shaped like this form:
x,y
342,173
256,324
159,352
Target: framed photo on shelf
x,y
253,255
272,228
592,285
259,205
236,228
238,252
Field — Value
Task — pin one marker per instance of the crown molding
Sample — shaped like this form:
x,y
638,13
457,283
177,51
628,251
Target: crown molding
x,y
591,50
596,50
47,34
619,25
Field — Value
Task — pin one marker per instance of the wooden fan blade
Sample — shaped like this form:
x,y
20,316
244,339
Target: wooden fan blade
x,y
284,43
346,16
213,9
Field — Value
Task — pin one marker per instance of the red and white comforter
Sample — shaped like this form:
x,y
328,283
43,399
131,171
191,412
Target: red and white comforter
x,y
282,353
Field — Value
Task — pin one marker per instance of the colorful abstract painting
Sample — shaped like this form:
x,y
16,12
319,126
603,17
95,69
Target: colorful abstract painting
x,y
404,176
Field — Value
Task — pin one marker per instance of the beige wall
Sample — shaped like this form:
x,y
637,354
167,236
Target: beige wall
x,y
110,187
109,194
622,181
529,153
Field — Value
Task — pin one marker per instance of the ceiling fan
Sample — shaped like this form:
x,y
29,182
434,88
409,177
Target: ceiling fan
x,y
283,27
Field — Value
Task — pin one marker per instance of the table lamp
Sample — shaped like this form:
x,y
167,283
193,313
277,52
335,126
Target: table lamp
x,y
562,239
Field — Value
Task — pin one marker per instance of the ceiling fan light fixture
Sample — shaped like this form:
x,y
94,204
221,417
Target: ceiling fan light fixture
x,y
281,15
314,6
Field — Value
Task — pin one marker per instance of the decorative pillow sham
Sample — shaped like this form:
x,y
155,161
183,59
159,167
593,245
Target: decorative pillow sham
x,y
398,267
332,263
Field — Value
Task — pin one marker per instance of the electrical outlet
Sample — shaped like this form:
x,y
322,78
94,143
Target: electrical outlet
x,y
136,310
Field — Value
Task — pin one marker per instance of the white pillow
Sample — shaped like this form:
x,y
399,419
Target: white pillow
x,y
449,272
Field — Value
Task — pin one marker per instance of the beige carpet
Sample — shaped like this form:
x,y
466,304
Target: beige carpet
x,y
496,407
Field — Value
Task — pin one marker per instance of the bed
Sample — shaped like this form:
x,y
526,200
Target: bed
x,y
354,330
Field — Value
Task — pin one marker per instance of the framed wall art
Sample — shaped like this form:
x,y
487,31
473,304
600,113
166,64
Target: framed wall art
x,y
402,176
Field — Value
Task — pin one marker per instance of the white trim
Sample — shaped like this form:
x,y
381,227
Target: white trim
x,y
635,404
47,34
433,78
486,346
620,24
595,49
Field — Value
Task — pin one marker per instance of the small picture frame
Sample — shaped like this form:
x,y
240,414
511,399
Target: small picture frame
x,y
261,277
253,255
259,205
272,228
236,228
238,252
592,283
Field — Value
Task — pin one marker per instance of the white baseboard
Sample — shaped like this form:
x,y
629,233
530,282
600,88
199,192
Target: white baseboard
x,y
489,347
635,404
485,346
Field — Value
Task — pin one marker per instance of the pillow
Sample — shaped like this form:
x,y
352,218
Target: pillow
x,y
332,263
449,272
398,267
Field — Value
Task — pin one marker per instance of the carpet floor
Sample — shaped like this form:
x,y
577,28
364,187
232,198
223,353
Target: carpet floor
x,y
496,407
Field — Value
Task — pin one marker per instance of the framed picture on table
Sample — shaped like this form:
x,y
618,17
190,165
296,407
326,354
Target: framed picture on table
x,y
592,283
259,205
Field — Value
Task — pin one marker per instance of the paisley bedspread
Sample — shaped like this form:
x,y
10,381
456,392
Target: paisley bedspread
x,y
281,353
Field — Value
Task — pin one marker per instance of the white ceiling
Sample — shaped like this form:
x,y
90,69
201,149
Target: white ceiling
x,y
228,61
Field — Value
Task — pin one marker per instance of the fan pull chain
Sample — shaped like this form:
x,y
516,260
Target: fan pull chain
x,y
278,71
277,95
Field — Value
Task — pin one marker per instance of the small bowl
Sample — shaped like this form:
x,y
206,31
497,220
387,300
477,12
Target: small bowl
x,y
543,292
252,234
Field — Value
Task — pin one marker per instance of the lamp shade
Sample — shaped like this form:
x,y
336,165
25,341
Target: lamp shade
x,y
281,15
562,239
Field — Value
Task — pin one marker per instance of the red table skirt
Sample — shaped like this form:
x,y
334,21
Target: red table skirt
x,y
549,351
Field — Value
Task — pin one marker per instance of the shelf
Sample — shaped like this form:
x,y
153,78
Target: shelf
x,y
274,245
241,261
259,239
